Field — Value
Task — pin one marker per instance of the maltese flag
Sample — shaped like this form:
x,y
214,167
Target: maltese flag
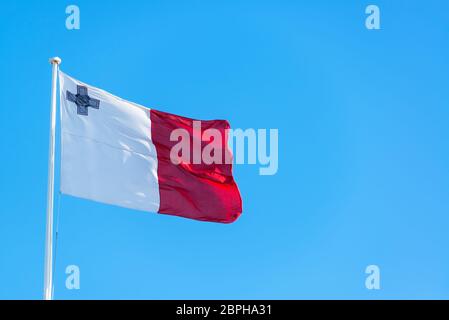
x,y
118,152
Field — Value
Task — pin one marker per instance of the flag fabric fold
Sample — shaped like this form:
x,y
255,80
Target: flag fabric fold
x,y
117,152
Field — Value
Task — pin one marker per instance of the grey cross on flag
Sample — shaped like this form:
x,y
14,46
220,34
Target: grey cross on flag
x,y
82,100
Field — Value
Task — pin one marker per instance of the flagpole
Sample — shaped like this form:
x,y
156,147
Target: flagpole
x,y
48,269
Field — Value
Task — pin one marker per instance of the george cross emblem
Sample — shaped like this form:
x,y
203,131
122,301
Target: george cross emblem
x,y
82,100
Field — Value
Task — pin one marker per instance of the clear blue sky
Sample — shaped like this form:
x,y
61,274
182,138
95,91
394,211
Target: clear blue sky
x,y
363,162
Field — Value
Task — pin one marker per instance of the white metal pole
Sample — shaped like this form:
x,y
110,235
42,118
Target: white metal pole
x,y
48,269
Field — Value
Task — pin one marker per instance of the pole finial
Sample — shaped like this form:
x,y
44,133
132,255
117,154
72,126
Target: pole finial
x,y
55,60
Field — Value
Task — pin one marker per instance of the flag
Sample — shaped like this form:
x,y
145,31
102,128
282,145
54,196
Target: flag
x,y
117,152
